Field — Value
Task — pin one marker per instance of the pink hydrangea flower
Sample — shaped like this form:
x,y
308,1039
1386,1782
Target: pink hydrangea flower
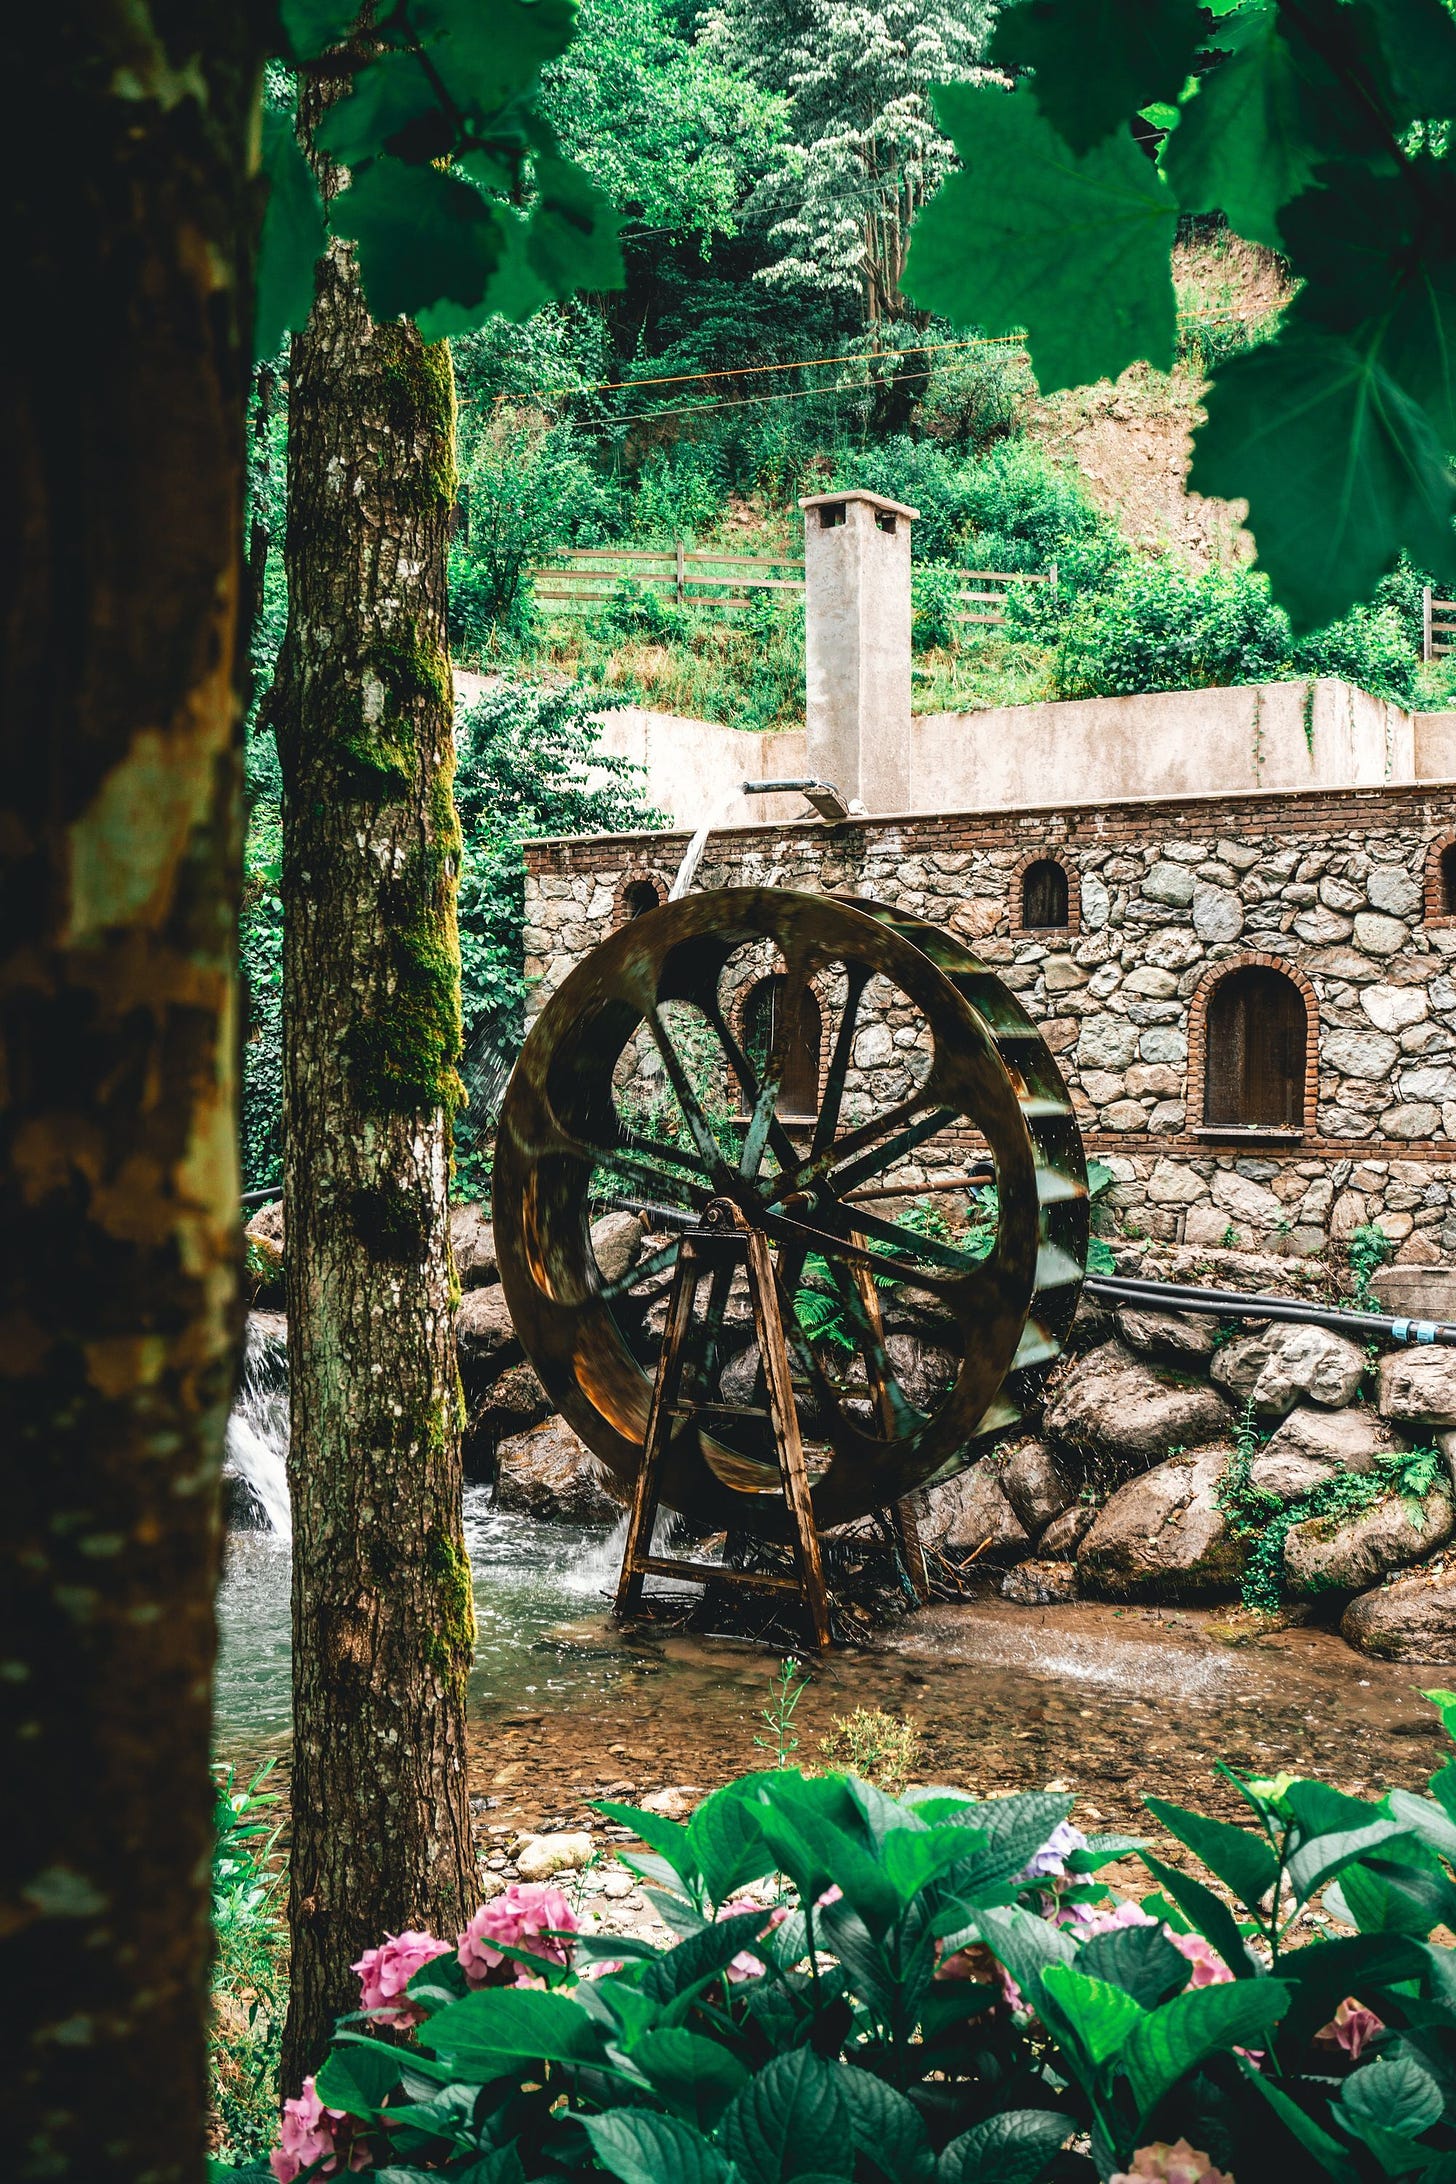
x,y
1179,2163
309,2132
1089,1922
385,1972
521,1918
1209,1969
1351,2029
746,1965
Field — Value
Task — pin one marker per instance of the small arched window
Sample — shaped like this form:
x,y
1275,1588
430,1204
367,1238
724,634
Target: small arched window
x,y
639,896
1257,1033
798,1099
1448,880
1044,896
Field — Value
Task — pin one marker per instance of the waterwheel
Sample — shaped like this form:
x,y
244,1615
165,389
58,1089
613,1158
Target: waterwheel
x,y
872,1101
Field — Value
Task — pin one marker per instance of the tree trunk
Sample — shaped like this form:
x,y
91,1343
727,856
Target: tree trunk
x,y
382,1618
121,508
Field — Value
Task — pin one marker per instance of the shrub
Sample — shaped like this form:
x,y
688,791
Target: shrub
x,y
1160,627
528,490
942,1989
248,1983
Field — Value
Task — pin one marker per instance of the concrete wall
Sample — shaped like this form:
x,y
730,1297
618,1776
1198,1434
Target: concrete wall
x,y
1435,741
1171,743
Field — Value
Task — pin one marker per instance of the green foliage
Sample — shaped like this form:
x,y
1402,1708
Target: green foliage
x,y
527,492
796,2028
1160,627
249,1975
1368,1250
1320,131
442,137
788,1686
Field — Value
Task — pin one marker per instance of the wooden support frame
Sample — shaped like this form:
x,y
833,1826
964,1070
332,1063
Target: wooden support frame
x,y
715,1254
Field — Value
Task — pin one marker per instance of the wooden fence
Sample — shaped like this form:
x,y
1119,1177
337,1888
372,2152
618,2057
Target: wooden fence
x,y
694,577
1438,626
980,605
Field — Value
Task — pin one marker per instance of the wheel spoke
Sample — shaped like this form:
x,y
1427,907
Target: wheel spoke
x,y
697,1122
884,1156
765,1108
868,1133
905,1240
656,1263
829,1109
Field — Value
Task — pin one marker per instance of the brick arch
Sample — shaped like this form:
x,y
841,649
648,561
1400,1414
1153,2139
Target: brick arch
x,y
624,902
819,983
1438,909
1050,854
1198,1033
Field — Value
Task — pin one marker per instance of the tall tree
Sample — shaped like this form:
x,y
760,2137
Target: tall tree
x,y
121,503
362,703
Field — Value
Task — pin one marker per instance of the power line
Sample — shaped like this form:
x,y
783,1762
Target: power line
x,y
744,371
744,401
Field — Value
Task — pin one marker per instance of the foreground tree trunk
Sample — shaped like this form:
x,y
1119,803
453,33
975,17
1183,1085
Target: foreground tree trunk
x,y
122,392
382,1618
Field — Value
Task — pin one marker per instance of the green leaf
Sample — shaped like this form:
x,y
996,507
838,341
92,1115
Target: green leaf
x,y
1076,251
790,2118
888,2129
422,235
1334,1830
1445,1705
1098,61
292,239
641,2148
1394,2093
1243,145
1139,1959
1397,1895
1100,2015
691,1963
1185,2032
1242,1861
359,2075
696,2077
571,240
1207,1912
911,1859
1013,1830
669,1838
497,2027
1012,2148
727,1842
392,106
312,26
1418,40
1026,1945
488,56
1327,2151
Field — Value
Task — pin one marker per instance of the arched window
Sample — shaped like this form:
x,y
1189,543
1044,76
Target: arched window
x,y
1044,896
1256,1037
798,1099
638,896
1448,881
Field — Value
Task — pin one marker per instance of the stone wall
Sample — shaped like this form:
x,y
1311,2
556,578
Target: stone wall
x,y
1166,896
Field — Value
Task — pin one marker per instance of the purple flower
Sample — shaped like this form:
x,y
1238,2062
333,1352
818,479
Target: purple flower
x,y
1050,1861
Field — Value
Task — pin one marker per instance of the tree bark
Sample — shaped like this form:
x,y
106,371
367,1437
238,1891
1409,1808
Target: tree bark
x,y
383,1626
122,393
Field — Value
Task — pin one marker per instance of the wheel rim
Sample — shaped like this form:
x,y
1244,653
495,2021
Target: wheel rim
x,y
924,1054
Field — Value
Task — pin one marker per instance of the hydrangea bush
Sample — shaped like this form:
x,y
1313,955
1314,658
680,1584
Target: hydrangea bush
x,y
930,1990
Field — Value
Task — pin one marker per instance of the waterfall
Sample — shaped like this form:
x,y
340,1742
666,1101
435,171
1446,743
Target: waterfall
x,y
257,1431
693,854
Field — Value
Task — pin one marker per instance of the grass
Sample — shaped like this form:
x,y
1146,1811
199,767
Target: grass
x,y
249,1977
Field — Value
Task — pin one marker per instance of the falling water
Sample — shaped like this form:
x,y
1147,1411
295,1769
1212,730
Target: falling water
x,y
257,1432
490,1055
693,854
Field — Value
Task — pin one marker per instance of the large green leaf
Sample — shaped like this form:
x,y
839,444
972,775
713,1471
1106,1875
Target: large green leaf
x,y
1011,1830
488,54
1327,2151
1101,2016
1012,2148
292,239
727,1841
1242,1861
392,106
422,235
790,2119
1335,1830
1185,2032
359,2075
571,240
887,2127
312,26
1076,251
1432,1823
702,1956
1418,41
1024,1944
641,2148
1139,1959
695,2076
1098,61
1394,2093
1209,1913
1242,145
669,1838
498,2027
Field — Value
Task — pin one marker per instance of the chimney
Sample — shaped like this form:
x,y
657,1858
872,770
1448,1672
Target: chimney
x,y
857,645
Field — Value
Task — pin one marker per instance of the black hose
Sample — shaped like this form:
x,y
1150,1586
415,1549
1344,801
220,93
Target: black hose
x,y
1237,1304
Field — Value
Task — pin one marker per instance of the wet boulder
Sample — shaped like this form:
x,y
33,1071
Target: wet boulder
x,y
484,1336
1340,1440
1163,1536
1065,1534
1286,1474
1040,1584
1036,1489
1286,1363
1347,1552
1122,1407
971,1516
472,1240
1418,1387
550,1472
1184,1337
264,1243
510,1405
1410,1618
617,1240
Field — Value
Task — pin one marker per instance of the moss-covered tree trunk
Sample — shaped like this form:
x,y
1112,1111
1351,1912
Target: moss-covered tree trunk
x,y
382,1621
129,232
